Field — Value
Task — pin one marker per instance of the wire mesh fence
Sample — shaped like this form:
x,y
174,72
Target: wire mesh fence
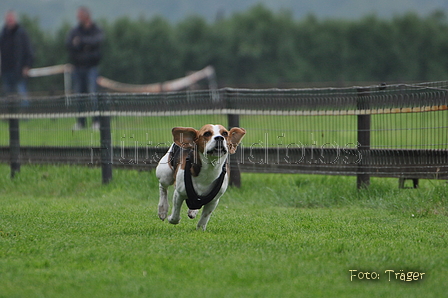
x,y
395,130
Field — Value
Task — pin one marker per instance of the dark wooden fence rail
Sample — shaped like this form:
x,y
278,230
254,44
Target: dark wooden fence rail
x,y
361,161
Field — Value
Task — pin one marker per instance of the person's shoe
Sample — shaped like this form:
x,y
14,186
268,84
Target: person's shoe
x,y
78,126
96,126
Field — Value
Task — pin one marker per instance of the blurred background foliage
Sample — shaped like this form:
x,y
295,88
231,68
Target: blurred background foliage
x,y
260,48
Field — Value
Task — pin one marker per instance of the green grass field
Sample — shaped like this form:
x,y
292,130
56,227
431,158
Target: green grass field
x,y
63,234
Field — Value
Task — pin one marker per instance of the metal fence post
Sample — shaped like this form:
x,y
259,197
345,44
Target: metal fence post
x,y
106,139
362,178
14,136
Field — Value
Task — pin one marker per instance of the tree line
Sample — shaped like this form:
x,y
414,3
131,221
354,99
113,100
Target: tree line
x,y
259,46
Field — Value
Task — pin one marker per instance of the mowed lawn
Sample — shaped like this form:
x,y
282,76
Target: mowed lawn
x,y
63,234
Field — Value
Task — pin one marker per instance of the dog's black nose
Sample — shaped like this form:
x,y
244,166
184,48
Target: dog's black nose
x,y
219,138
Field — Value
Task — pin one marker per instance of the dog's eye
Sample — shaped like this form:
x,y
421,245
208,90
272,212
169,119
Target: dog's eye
x,y
207,134
225,134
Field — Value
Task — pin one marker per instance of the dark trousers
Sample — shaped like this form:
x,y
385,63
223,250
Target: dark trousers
x,y
84,81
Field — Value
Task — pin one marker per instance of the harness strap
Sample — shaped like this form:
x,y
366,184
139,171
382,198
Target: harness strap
x,y
195,201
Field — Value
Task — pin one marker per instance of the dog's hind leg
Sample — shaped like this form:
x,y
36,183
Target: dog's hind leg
x,y
206,213
163,202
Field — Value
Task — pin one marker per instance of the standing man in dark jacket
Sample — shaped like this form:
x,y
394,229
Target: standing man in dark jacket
x,y
84,46
16,55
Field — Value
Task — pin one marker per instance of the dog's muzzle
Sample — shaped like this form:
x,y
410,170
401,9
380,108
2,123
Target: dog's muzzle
x,y
220,148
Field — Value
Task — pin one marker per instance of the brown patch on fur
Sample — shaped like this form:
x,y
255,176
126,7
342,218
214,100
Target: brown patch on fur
x,y
234,138
204,135
187,139
180,162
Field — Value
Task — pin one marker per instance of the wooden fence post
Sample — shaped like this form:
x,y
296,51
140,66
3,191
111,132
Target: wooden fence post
x,y
14,136
106,139
363,179
233,120
235,174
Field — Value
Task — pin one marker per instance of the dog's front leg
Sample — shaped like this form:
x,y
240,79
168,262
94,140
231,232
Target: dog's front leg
x,y
163,202
192,213
174,218
206,213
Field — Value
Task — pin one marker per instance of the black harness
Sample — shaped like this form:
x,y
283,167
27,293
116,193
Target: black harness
x,y
195,201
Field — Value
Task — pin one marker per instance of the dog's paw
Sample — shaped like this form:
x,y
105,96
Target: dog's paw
x,y
173,220
162,215
192,213
163,212
201,227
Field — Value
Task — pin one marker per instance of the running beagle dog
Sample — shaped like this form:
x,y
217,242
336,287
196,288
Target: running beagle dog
x,y
196,164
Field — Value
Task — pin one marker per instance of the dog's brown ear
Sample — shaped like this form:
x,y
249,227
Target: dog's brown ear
x,y
185,137
236,134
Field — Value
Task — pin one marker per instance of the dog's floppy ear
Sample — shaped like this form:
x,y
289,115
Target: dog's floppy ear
x,y
185,137
236,134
